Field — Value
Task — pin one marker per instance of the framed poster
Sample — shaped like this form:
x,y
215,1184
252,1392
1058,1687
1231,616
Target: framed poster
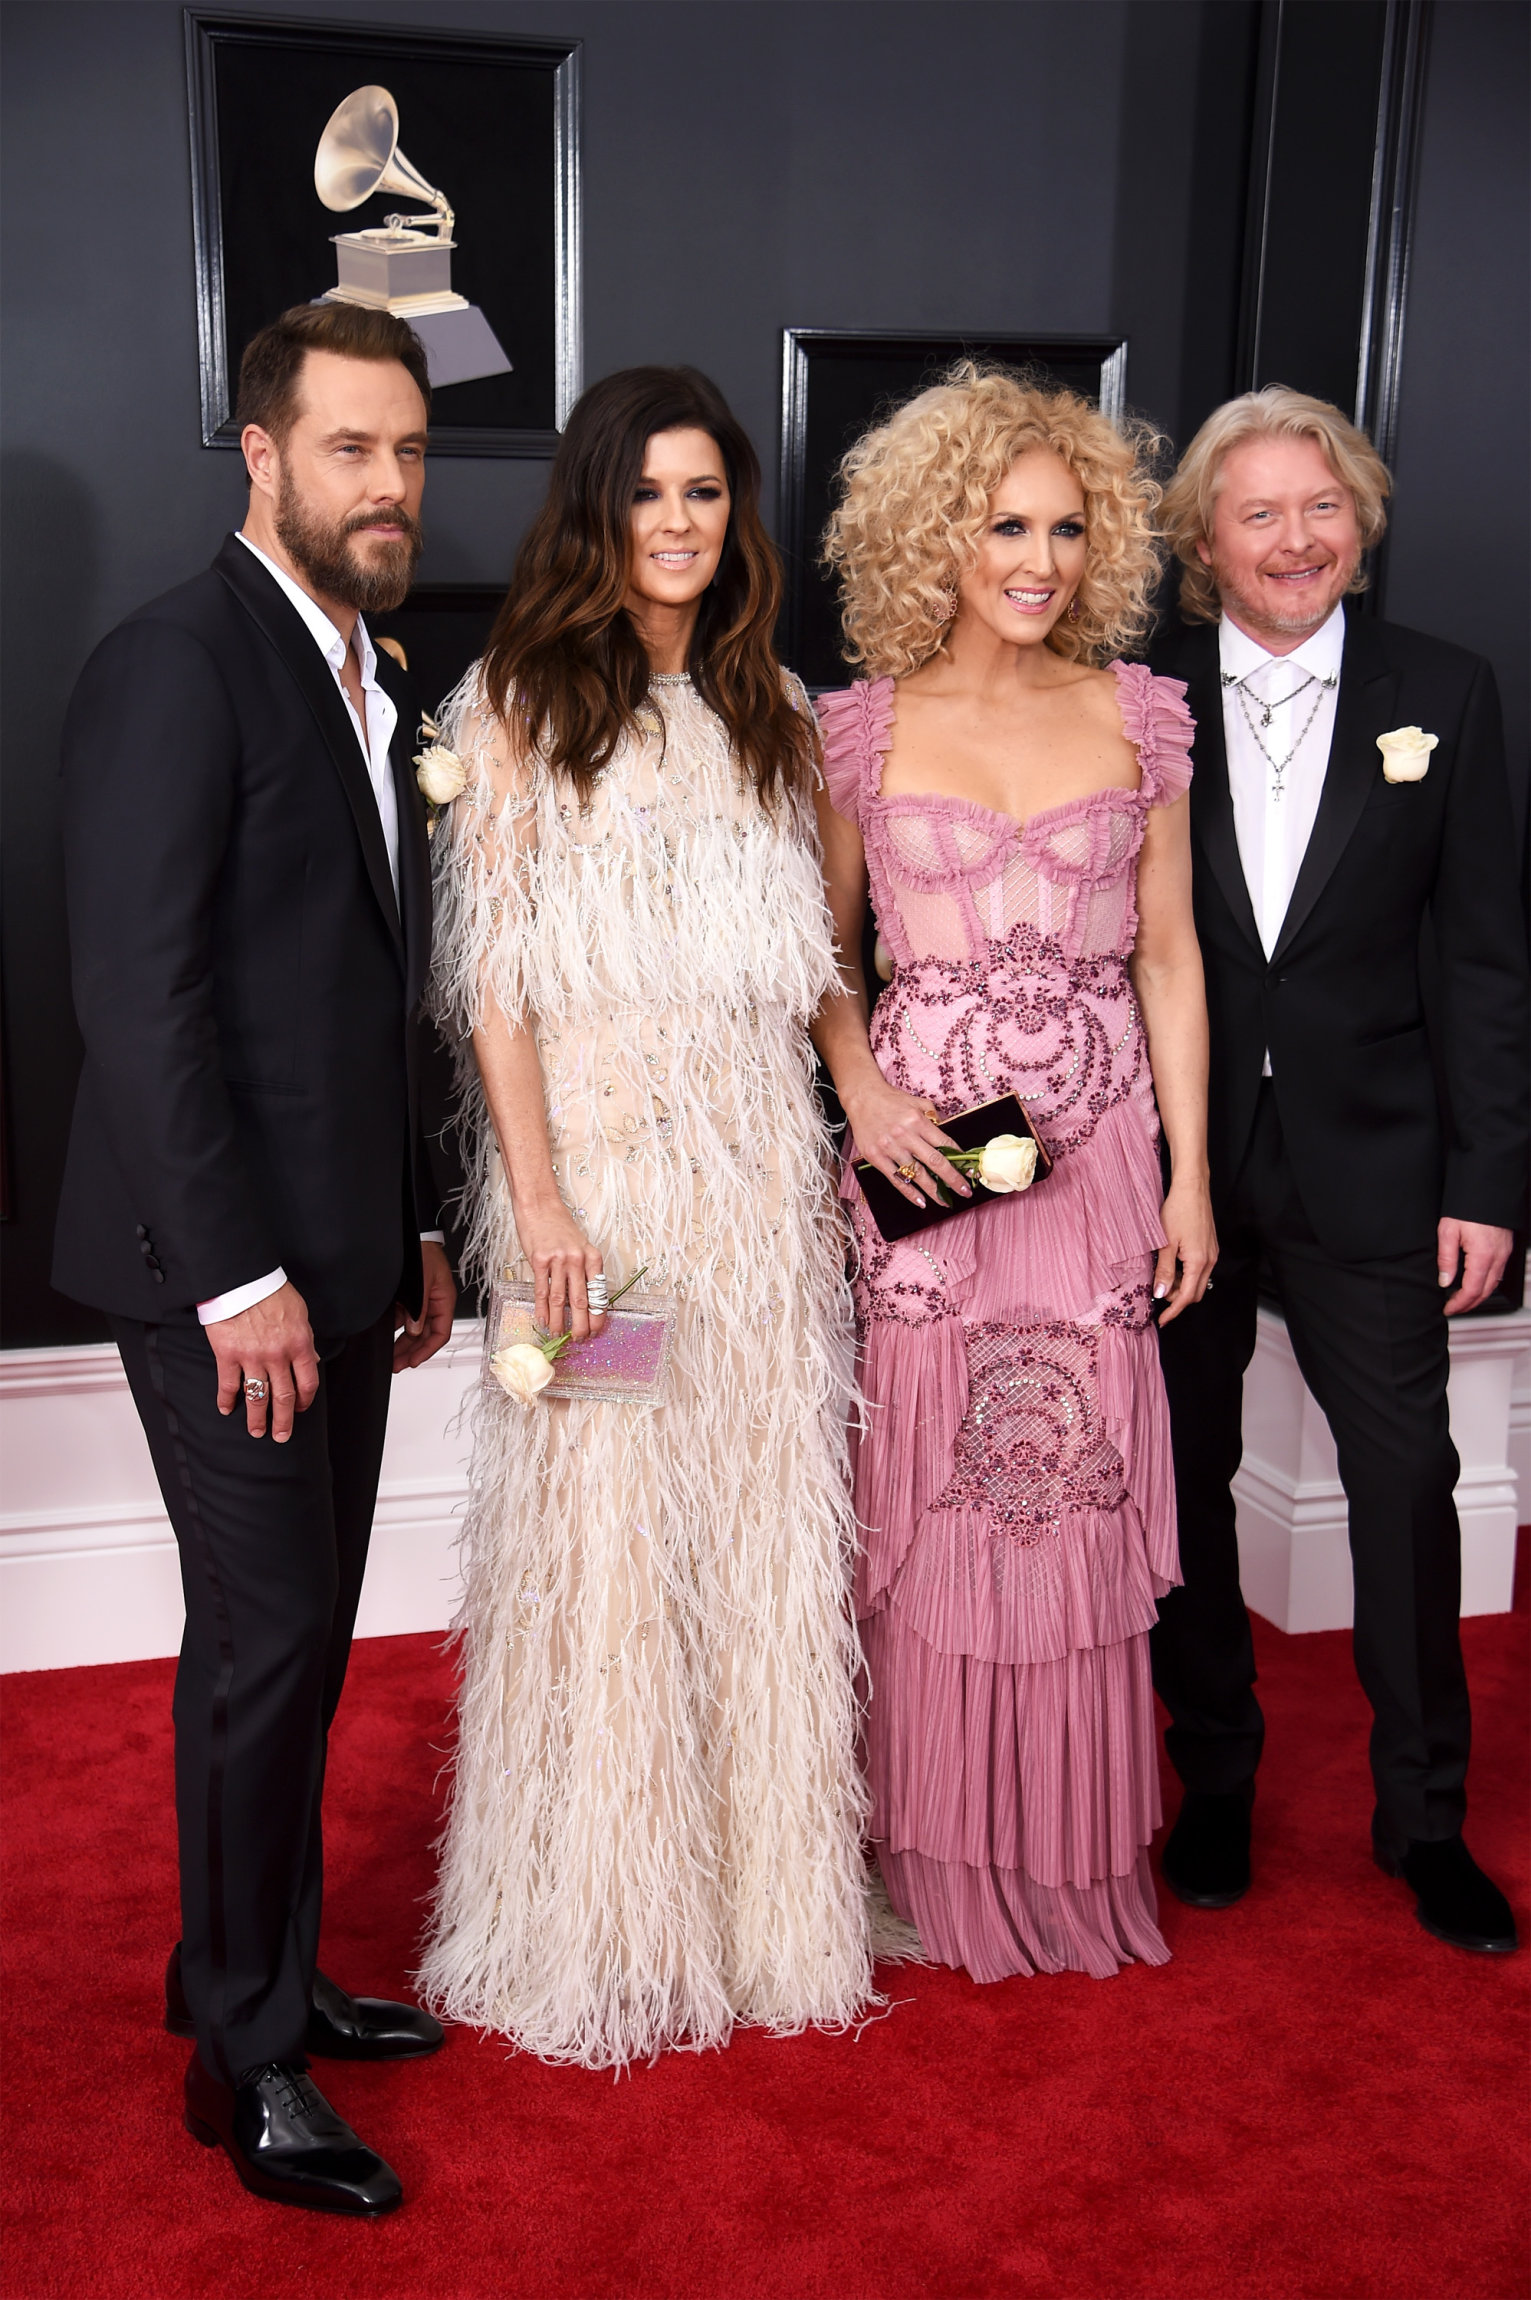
x,y
834,387
494,123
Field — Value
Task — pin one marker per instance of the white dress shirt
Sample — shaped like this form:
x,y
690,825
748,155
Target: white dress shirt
x,y
1273,814
375,737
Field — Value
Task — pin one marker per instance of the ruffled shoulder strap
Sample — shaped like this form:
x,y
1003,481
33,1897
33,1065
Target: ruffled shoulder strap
x,y
858,729
1160,729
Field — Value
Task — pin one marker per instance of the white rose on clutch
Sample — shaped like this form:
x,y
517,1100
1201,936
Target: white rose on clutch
x,y
521,1370
440,774
1406,754
1007,1162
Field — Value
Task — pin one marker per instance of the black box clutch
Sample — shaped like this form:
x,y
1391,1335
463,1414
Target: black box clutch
x,y
970,1130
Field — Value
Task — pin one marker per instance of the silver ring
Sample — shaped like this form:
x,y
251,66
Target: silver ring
x,y
255,1392
597,1293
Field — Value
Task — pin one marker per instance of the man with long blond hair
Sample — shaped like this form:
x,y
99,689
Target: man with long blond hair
x,y
1350,788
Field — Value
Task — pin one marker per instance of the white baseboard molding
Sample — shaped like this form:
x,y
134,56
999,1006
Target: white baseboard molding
x,y
89,1571
86,1580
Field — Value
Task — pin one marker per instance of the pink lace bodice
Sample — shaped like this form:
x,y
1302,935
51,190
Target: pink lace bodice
x,y
1010,940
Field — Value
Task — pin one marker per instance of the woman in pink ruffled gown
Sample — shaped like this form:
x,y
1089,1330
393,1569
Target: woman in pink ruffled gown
x,y
1020,812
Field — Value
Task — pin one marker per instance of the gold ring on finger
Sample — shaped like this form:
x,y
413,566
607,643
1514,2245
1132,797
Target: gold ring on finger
x,y
910,1173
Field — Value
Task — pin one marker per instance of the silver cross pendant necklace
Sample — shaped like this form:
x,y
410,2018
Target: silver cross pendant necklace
x,y
1250,705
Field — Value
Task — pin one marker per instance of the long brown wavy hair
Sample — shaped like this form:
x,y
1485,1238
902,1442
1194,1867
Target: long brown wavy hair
x,y
564,659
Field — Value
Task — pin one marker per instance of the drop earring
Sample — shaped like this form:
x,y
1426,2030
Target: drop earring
x,y
946,605
1074,608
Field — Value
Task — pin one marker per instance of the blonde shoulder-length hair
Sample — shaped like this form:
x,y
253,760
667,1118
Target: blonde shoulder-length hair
x,y
1276,412
915,501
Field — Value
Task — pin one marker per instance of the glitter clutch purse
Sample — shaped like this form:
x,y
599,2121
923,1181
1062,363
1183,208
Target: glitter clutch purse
x,y
629,1362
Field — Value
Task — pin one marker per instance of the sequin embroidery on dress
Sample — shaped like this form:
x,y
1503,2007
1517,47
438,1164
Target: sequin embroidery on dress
x,y
1014,1487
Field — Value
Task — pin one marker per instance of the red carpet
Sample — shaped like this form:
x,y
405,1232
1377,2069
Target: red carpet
x,y
1314,2100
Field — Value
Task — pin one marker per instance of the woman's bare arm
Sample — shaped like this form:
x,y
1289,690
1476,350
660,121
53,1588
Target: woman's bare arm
x,y
891,1129
1167,976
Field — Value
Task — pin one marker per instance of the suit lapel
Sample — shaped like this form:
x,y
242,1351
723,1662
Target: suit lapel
x,y
263,601
414,846
1363,708
1211,795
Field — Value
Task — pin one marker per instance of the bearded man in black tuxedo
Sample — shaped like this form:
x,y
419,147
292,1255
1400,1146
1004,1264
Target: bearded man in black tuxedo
x,y
246,1191
1349,789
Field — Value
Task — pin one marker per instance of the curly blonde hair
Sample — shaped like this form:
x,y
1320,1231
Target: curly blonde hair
x,y
1275,412
915,502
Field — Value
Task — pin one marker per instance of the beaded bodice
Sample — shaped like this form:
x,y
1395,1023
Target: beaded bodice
x,y
1009,940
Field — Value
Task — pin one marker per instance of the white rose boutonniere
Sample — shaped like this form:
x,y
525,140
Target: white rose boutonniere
x,y
440,774
1406,754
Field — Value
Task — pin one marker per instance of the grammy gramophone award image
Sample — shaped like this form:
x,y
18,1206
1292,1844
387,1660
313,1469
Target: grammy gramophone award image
x,y
404,265
449,162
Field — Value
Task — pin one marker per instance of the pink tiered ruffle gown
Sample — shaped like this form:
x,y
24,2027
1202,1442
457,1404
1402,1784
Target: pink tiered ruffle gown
x,y
1013,1483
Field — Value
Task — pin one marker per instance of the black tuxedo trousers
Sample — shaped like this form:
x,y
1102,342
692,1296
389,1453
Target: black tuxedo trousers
x,y
273,1542
1371,1341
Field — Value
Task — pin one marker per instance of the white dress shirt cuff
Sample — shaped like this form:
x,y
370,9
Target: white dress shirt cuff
x,y
433,1237
240,1298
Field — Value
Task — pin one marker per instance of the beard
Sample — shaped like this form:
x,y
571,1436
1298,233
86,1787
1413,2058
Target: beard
x,y
323,553
1251,607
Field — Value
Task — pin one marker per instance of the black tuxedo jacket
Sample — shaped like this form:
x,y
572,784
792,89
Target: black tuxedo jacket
x,y
244,980
1339,1002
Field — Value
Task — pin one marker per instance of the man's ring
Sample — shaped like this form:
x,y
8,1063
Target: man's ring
x,y
910,1172
256,1392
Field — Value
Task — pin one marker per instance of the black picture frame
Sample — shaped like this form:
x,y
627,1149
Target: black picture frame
x,y
443,629
835,385
259,91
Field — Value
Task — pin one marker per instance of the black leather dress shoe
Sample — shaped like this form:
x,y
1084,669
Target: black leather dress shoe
x,y
1206,1855
1455,1900
340,2027
286,2142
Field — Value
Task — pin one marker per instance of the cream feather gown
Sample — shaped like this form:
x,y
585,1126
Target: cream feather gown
x,y
656,1816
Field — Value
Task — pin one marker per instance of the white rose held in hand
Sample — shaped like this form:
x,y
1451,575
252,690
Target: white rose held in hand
x,y
1007,1162
521,1370
440,774
1406,754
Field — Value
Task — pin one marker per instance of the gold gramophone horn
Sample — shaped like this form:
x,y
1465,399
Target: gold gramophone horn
x,y
359,154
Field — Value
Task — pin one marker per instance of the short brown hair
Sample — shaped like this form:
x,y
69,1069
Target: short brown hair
x,y
1275,412
272,367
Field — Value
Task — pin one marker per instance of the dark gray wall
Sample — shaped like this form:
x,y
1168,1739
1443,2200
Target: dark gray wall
x,y
746,168
1457,560
978,165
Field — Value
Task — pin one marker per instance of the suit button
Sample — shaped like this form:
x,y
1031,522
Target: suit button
x,y
159,1275
144,1247
142,1232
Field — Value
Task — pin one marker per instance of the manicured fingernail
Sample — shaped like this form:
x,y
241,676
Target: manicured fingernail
x,y
1160,1291
919,1201
1444,1277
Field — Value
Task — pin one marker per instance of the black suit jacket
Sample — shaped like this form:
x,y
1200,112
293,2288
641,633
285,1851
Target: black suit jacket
x,y
1339,1002
244,980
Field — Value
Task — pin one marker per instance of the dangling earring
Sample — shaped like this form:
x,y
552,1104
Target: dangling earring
x,y
1074,608
946,605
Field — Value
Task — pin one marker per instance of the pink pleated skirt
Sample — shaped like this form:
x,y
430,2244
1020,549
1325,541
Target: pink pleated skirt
x,y
1015,1494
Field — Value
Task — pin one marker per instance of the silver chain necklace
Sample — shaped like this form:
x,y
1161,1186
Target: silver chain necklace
x,y
1249,704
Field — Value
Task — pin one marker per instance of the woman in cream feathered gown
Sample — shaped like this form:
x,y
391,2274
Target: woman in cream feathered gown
x,y
656,1815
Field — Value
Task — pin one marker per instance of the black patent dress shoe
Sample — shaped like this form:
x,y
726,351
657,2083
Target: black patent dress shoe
x,y
1454,1899
340,2027
1206,1854
286,2142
